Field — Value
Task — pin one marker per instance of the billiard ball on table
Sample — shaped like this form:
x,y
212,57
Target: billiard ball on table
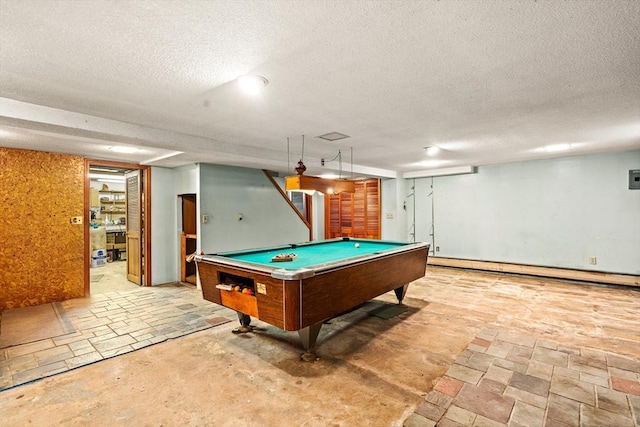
x,y
357,245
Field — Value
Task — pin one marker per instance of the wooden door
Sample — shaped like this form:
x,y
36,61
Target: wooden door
x,y
354,214
134,227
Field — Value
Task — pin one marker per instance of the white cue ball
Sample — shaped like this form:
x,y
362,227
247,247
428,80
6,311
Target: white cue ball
x,y
357,245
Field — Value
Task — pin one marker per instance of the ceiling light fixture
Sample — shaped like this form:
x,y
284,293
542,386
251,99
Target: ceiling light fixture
x,y
122,149
310,184
557,147
252,84
431,150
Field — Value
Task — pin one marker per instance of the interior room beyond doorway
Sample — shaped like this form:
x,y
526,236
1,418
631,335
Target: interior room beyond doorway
x,y
108,231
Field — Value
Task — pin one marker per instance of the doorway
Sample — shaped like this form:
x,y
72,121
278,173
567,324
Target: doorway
x,y
117,227
188,241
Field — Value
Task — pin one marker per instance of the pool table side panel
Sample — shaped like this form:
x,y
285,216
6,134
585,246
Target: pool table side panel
x,y
291,308
208,280
270,306
329,294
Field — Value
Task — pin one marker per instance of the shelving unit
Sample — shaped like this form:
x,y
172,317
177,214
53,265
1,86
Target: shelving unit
x,y
189,241
113,207
188,269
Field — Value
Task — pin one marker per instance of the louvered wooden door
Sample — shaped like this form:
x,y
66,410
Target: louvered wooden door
x,y
134,227
354,214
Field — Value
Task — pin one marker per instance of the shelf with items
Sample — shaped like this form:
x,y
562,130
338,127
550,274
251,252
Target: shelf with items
x,y
116,243
113,207
187,266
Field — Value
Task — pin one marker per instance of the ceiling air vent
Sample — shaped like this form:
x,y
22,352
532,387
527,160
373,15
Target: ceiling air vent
x,y
333,136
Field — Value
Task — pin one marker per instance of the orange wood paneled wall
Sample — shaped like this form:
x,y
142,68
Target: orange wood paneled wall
x,y
354,214
41,251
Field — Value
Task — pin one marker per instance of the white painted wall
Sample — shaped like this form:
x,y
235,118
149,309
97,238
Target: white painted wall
x,y
388,209
396,205
268,220
556,213
186,178
164,208
187,181
423,211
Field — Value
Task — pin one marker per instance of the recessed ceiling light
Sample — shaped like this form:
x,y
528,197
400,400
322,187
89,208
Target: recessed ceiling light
x,y
333,136
99,176
252,84
557,147
6,134
431,150
122,149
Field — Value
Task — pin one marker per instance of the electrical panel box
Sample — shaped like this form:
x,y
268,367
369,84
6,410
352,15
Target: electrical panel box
x,y
634,179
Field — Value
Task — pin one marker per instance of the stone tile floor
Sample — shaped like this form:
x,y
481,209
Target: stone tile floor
x,y
508,379
110,324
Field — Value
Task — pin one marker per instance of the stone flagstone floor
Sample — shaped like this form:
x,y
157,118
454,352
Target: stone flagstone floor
x,y
110,324
508,379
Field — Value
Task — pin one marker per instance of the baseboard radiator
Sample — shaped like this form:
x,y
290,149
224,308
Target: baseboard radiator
x,y
532,270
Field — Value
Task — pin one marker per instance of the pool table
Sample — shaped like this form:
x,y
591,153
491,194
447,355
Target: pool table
x,y
321,280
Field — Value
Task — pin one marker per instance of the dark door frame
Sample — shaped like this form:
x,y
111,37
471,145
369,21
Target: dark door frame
x,y
146,225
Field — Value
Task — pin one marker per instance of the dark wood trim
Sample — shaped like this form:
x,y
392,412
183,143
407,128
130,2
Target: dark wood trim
x,y
308,200
146,171
285,197
327,216
533,270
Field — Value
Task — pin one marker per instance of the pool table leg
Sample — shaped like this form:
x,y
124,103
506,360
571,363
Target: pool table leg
x,y
400,292
245,324
308,337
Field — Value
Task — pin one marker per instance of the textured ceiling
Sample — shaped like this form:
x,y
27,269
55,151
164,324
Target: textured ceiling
x,y
486,81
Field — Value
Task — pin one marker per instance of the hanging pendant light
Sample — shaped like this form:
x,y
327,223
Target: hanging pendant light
x,y
311,184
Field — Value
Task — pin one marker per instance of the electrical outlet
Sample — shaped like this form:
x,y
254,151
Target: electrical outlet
x,y
593,260
437,248
205,219
76,220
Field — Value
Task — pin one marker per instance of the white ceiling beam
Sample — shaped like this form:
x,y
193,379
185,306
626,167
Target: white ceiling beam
x,y
460,170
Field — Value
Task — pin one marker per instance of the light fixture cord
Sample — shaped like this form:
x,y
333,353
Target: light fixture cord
x,y
288,163
302,157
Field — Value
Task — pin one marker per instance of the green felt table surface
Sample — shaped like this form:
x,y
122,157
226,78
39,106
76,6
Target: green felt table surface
x,y
314,254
